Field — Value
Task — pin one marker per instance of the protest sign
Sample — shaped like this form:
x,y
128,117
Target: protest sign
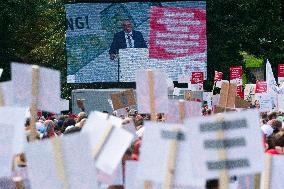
x,y
114,179
218,76
64,105
219,83
236,75
227,95
215,100
6,94
123,99
197,80
193,96
280,102
65,163
280,73
108,141
151,92
265,102
223,144
207,96
260,87
176,91
249,92
180,110
171,151
273,169
240,103
12,136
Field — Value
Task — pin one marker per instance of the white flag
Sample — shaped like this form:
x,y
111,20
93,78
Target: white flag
x,y
272,86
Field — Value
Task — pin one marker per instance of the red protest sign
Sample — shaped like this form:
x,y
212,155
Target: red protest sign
x,y
197,78
280,70
218,76
261,87
236,72
240,92
177,32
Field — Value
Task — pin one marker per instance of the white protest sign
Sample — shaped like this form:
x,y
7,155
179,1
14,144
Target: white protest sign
x,y
12,136
271,177
234,134
1,71
48,97
215,99
180,110
219,83
62,163
162,135
6,93
280,102
176,91
108,140
115,179
151,91
265,102
249,92
207,96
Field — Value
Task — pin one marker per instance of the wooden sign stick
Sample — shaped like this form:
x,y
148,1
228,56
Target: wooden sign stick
x,y
2,103
257,181
265,181
169,179
59,161
152,95
222,153
34,104
102,140
181,105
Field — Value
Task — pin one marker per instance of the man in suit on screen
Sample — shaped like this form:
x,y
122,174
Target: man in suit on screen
x,y
128,38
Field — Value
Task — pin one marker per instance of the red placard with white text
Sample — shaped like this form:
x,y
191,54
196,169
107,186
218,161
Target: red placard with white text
x,y
197,78
218,76
280,73
236,73
261,87
177,32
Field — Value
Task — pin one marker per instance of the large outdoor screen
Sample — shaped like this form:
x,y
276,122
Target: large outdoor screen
x,y
108,42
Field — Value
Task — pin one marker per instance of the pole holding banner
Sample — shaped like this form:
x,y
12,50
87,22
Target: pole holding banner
x,y
152,94
34,102
103,140
222,153
265,181
181,105
2,103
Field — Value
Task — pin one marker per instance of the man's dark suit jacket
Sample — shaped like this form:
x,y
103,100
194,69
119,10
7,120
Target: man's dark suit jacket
x,y
119,41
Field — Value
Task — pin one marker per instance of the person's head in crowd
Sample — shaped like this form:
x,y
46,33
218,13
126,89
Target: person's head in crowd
x,y
256,104
267,130
127,26
276,143
49,129
272,115
138,121
81,116
209,112
275,124
212,184
68,122
159,117
132,113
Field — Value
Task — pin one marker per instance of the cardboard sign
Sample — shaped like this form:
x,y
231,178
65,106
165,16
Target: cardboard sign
x,y
280,73
12,136
151,91
224,142
240,103
108,140
180,110
6,94
227,95
123,99
273,169
249,92
65,163
48,82
261,87
162,135
218,76
193,96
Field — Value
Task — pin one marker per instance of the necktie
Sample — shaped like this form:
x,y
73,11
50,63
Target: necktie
x,y
129,41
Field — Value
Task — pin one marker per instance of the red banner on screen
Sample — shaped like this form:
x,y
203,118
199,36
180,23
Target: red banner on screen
x,y
261,87
280,70
197,77
177,32
218,76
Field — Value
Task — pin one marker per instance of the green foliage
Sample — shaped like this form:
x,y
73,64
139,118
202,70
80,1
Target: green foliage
x,y
33,31
251,61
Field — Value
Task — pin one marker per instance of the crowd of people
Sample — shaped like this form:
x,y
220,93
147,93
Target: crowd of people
x,y
271,125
